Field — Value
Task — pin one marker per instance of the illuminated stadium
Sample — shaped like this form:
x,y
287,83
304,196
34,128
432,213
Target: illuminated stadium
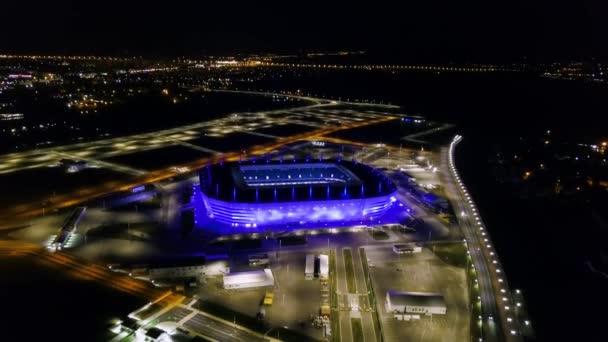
x,y
249,196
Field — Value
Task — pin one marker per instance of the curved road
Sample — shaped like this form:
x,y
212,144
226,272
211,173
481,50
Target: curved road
x,y
493,287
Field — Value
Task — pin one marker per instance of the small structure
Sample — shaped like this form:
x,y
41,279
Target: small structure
x,y
72,166
130,324
325,310
268,297
415,303
243,280
406,248
188,268
323,266
309,271
259,259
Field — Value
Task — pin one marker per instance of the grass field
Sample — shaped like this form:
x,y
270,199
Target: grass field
x,y
379,235
454,254
350,273
476,333
141,231
372,296
333,298
357,329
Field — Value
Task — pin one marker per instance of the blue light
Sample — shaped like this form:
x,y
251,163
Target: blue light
x,y
263,203
299,213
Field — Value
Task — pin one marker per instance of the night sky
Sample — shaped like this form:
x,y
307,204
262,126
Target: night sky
x,y
465,31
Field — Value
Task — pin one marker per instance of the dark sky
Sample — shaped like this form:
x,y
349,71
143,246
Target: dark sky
x,y
414,30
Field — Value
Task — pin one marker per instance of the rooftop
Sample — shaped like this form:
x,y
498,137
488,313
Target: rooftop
x,y
416,298
248,277
276,181
271,175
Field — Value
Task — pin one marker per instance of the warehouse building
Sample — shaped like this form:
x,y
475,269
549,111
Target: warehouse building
x,y
250,279
323,266
309,271
415,303
188,268
407,248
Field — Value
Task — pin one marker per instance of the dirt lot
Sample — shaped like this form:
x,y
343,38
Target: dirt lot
x,y
421,272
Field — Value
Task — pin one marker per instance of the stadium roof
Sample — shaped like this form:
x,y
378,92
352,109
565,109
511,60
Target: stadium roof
x,y
276,181
272,175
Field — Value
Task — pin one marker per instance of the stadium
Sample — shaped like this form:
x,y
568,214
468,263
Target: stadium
x,y
242,197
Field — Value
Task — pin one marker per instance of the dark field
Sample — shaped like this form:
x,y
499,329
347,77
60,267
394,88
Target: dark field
x,y
41,183
159,158
389,132
231,142
286,130
40,303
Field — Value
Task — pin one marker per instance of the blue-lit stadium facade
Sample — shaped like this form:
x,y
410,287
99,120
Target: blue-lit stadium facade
x,y
246,196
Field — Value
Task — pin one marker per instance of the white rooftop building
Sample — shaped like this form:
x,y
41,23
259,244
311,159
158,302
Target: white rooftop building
x,y
193,267
415,303
309,270
242,280
323,266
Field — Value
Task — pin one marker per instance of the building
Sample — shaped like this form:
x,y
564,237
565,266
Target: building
x,y
253,197
73,166
194,267
250,279
415,303
407,248
323,266
309,271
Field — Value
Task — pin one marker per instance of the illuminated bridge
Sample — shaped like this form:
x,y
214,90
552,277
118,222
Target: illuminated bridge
x,y
249,196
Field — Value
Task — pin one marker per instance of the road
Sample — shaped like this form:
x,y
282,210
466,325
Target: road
x,y
200,323
218,331
491,279
83,269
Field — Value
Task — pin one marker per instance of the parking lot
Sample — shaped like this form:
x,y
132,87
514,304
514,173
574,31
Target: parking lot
x,y
421,272
296,300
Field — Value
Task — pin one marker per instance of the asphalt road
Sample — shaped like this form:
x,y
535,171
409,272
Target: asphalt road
x,y
218,330
494,323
